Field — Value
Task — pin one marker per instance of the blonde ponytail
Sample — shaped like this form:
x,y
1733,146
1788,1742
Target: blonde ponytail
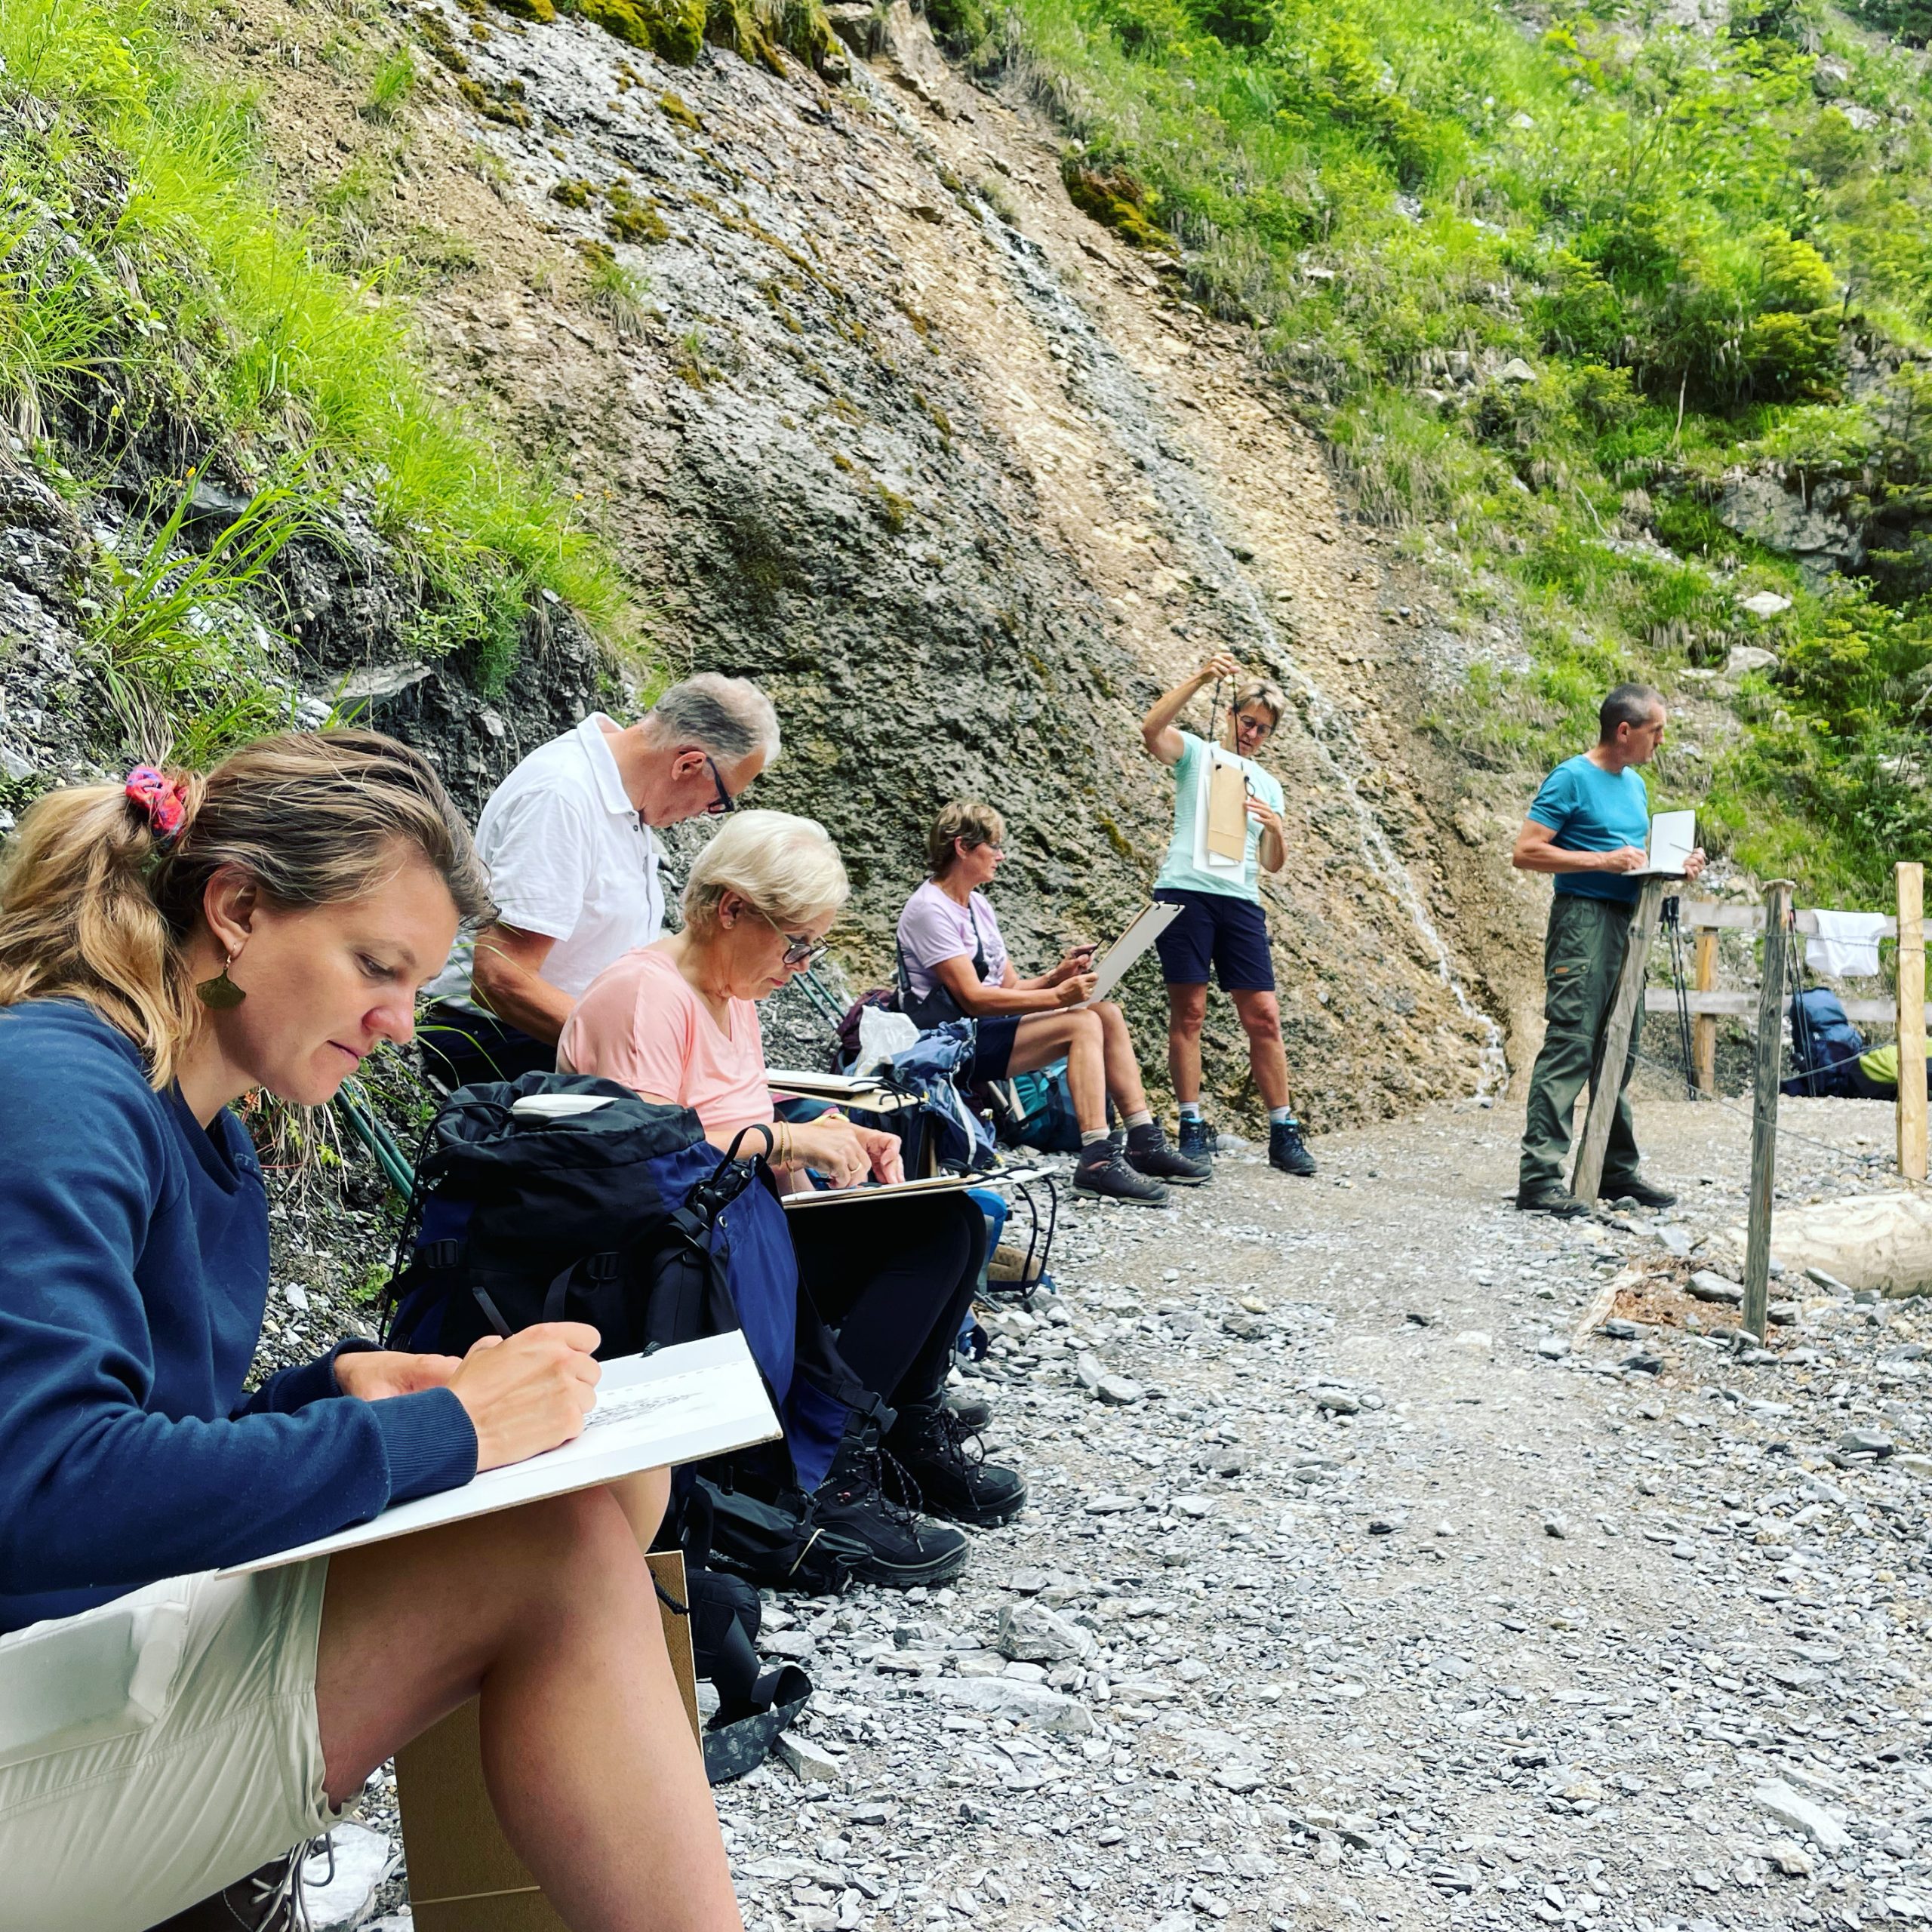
x,y
96,904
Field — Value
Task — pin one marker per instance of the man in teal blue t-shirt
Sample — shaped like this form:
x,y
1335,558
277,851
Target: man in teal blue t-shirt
x,y
1588,827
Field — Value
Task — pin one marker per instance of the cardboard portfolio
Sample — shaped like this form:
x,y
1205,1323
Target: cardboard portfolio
x,y
463,1877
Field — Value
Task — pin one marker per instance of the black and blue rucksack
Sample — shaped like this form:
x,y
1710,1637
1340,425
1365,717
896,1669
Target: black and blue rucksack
x,y
562,1197
1825,1045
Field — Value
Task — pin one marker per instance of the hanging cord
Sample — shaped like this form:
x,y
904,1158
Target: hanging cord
x,y
1674,925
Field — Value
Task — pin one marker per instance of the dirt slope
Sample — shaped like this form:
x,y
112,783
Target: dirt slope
x,y
898,431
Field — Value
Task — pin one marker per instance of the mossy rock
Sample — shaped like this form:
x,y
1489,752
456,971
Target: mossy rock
x,y
1116,200
680,111
758,34
529,9
573,193
631,220
674,30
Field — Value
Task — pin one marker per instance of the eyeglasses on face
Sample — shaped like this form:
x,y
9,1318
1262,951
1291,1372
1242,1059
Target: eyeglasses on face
x,y
1261,727
724,802
799,951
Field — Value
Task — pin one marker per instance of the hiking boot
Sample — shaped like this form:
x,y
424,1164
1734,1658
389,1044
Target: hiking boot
x,y
266,1900
933,1462
1102,1171
876,1538
1635,1188
1148,1153
1552,1198
973,1411
1197,1139
1287,1150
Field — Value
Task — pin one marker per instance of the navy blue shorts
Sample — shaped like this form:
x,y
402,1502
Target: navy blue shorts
x,y
1215,926
993,1046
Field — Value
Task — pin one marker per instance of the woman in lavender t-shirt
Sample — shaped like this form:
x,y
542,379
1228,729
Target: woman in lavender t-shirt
x,y
953,962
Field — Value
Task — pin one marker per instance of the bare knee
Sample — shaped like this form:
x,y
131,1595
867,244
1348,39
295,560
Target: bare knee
x,y
1084,1030
644,1499
1261,1018
1185,1016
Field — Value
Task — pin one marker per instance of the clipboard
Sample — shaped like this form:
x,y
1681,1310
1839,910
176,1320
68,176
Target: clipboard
x,y
898,1190
1149,923
842,1089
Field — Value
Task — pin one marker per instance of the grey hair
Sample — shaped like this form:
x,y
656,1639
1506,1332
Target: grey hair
x,y
729,717
787,868
1628,704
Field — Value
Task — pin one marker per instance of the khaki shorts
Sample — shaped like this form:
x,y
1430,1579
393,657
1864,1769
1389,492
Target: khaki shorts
x,y
157,1748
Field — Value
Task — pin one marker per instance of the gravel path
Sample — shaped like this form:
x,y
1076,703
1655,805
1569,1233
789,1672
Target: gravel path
x,y
1383,1603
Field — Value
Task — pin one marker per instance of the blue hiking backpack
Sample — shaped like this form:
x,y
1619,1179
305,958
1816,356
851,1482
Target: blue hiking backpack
x,y
621,1214
1825,1044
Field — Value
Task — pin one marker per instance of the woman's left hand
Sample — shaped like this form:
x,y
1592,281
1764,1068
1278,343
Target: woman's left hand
x,y
1077,959
372,1375
886,1151
1268,820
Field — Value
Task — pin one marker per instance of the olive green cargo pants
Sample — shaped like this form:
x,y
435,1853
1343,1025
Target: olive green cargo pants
x,y
1582,956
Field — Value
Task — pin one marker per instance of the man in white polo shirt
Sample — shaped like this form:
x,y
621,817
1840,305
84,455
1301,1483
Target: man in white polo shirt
x,y
574,868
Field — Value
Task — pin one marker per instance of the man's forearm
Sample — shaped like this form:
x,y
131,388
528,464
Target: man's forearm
x,y
521,999
1557,858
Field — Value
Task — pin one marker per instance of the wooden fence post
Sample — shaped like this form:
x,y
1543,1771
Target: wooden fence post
x,y
1704,1028
1767,1068
1911,1019
1617,1032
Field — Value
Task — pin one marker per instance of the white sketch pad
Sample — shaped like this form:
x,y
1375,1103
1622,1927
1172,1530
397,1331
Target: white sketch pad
x,y
1673,838
1152,922
679,1405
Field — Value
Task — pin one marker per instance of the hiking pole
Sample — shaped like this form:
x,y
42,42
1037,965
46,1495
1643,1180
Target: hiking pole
x,y
374,1136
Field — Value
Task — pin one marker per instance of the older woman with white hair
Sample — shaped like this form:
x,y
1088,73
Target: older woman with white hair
x,y
677,1021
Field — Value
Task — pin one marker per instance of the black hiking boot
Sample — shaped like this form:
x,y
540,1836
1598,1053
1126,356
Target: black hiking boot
x,y
974,1411
1197,1139
1287,1149
1634,1187
1552,1198
1148,1153
933,1462
269,1899
877,1539
1103,1172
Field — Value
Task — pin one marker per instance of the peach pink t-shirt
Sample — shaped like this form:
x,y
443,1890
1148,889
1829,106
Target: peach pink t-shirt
x,y
641,1022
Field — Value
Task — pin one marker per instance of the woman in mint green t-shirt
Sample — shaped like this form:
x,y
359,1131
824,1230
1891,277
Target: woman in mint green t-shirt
x,y
1221,924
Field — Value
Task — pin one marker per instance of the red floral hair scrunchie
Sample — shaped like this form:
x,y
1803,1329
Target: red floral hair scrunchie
x,y
161,797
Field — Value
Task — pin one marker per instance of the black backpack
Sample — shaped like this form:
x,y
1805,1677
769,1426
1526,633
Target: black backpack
x,y
561,1197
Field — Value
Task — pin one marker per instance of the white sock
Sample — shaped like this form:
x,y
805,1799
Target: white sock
x,y
1143,1118
1088,1137
1190,1110
1278,1114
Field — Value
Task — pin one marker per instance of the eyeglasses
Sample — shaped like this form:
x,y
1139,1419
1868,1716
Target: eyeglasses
x,y
799,951
1255,725
724,802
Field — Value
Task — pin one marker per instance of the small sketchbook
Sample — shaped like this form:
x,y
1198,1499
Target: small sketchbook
x,y
1112,967
897,1190
678,1405
1673,838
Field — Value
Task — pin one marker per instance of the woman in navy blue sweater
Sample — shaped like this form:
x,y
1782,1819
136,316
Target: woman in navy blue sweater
x,y
166,946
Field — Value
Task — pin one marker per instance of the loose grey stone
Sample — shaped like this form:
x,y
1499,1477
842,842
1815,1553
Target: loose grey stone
x,y
1802,1815
1708,1286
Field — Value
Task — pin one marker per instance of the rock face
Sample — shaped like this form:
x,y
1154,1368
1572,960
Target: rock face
x,y
1783,515
882,421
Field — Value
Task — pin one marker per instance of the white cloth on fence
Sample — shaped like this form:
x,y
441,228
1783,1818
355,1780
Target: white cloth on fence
x,y
1846,945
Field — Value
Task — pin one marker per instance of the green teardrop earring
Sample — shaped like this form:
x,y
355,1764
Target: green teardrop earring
x,y
220,994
